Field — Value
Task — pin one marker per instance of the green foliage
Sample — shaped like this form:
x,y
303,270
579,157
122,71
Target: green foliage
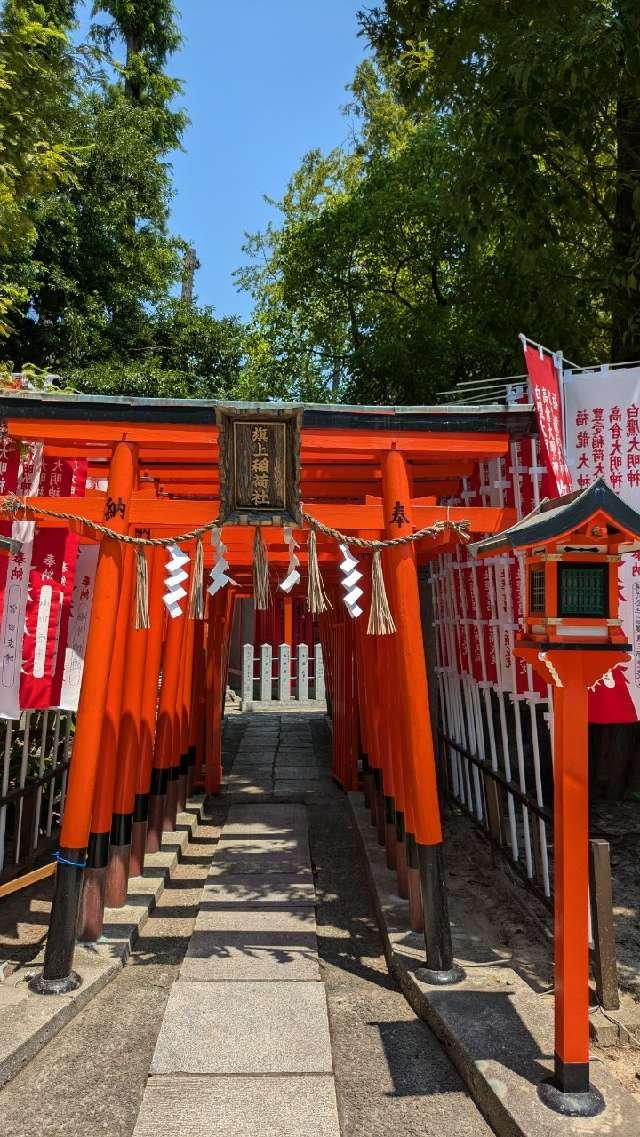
x,y
91,280
36,154
548,102
181,352
385,283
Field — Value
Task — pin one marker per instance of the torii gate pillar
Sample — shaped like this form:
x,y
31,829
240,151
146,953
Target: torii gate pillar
x,y
413,698
58,976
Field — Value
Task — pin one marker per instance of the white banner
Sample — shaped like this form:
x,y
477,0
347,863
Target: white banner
x,y
84,580
16,589
602,423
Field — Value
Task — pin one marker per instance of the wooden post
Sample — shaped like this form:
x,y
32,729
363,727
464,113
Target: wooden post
x,y
197,710
171,798
92,902
163,745
604,951
58,976
185,718
571,887
126,766
219,618
412,699
573,673
318,674
148,711
287,609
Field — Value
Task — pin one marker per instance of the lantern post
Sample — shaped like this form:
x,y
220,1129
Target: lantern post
x,y
572,637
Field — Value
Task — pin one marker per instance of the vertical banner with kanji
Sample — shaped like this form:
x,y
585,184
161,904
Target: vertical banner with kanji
x,y
15,593
603,440
50,585
85,573
545,390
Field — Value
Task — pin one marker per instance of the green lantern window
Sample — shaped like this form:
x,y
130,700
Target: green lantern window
x,y
536,591
583,590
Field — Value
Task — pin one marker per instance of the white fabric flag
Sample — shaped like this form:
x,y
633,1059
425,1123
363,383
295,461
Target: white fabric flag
x,y
17,589
602,424
83,583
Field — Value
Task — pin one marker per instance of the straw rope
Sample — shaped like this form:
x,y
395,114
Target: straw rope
x,y
12,505
460,527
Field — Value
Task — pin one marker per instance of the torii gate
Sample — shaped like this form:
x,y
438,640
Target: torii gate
x,y
372,474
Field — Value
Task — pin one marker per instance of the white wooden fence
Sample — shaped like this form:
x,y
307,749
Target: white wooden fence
x,y
274,677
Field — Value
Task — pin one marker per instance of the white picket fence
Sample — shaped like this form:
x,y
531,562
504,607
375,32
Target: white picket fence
x,y
274,677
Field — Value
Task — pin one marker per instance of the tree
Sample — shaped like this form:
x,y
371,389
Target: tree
x,y
103,257
36,155
181,352
550,98
383,274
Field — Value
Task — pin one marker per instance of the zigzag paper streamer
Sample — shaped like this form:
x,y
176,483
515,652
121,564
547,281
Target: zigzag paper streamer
x,y
293,576
218,576
351,576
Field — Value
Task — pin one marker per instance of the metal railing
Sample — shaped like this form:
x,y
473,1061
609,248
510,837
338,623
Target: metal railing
x,y
35,754
279,677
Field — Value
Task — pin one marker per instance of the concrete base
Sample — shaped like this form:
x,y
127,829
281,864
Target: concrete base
x,y
497,1031
41,986
589,1104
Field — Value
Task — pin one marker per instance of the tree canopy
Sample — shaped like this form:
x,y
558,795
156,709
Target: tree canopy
x,y
90,281
490,185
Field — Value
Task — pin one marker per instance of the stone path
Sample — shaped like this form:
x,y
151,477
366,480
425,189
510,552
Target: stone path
x,y
260,929
244,1046
273,754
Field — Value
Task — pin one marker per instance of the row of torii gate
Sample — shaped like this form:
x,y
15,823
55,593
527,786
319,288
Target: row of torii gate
x,y
151,704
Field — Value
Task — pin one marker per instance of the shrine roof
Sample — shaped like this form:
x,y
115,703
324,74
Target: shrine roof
x,y
557,517
516,420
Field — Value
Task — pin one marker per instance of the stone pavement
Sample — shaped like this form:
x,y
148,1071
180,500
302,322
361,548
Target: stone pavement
x,y
276,755
244,1046
266,914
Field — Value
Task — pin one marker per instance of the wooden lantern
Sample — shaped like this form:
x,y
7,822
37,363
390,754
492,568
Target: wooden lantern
x,y
572,636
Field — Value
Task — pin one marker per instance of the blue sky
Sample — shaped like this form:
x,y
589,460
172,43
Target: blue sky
x,y
264,83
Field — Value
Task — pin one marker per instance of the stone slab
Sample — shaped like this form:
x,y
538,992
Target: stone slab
x,y
259,844
233,864
264,818
299,773
297,760
280,1106
262,890
260,945
244,1028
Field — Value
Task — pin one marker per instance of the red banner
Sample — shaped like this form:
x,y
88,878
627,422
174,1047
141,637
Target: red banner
x,y
545,389
50,586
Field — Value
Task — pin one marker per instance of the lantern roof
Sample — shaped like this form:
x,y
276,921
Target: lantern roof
x,y
558,517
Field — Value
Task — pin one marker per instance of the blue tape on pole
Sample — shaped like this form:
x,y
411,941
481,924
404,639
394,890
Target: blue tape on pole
x,y
63,861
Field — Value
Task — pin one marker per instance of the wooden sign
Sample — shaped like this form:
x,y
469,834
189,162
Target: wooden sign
x,y
259,466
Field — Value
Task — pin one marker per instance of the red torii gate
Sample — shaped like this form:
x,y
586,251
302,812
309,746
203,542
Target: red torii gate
x,y
135,750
